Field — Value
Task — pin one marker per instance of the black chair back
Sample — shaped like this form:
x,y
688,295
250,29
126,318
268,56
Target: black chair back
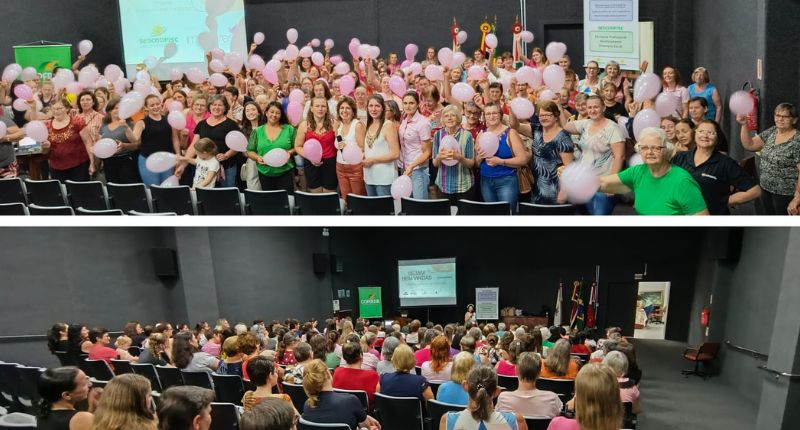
x,y
437,409
510,383
535,209
148,371
65,358
134,351
631,420
198,379
399,413
297,394
425,207
469,207
366,205
267,202
35,209
12,190
228,388
537,423
317,203
224,416
308,425
88,195
45,193
128,197
172,199
10,382
169,376
218,201
435,386
121,367
565,388
29,384
105,212
360,394
13,209
98,369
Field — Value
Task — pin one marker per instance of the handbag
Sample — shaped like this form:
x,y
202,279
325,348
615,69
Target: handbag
x,y
524,173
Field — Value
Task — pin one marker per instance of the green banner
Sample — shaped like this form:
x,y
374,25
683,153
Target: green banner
x,y
370,304
44,58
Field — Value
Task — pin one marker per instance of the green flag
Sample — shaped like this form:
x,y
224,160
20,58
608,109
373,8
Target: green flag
x,y
44,58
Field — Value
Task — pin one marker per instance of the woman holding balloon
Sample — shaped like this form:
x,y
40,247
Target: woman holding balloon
x,y
381,149
415,145
122,166
68,142
271,146
500,152
350,134
454,157
315,141
156,135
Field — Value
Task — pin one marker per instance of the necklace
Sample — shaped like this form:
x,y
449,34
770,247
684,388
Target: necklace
x,y
370,138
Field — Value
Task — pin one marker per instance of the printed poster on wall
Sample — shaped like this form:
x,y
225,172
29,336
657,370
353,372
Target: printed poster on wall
x,y
43,58
369,302
487,303
611,32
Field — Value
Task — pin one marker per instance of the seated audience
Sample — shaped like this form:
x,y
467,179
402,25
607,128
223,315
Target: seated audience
x,y
559,363
57,338
186,356
597,401
389,345
61,389
100,350
352,376
303,356
185,408
123,343
262,374
125,404
526,399
333,358
269,414
155,352
454,391
286,349
213,345
232,363
439,366
327,406
249,347
628,390
423,354
404,382
480,413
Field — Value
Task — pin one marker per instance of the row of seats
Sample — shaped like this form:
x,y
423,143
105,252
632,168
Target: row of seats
x,y
51,197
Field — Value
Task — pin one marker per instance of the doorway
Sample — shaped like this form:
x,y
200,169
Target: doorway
x,y
652,303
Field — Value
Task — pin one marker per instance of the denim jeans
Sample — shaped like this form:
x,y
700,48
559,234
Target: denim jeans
x,y
421,180
502,189
601,204
152,178
230,177
379,190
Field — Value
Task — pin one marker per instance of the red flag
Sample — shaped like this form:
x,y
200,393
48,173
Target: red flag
x,y
590,311
576,295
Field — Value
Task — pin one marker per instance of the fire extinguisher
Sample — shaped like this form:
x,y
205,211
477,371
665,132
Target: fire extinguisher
x,y
752,117
704,314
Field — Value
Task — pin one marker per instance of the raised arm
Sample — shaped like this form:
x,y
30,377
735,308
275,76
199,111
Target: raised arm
x,y
750,143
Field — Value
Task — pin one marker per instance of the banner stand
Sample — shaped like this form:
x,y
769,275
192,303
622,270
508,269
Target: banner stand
x,y
44,56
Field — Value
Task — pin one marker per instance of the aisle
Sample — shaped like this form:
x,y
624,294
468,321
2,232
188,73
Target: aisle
x,y
670,401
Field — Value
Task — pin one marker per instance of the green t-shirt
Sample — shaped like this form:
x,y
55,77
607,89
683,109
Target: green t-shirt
x,y
675,193
260,144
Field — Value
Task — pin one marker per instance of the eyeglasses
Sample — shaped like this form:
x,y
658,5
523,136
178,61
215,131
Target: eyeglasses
x,y
706,133
474,113
781,116
546,115
656,149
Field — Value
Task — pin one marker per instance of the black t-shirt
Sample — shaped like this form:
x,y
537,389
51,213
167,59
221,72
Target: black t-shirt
x,y
156,137
333,407
217,133
612,111
715,176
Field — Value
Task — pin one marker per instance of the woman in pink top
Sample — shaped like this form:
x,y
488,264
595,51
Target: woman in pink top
x,y
671,83
628,390
318,125
527,400
597,405
197,113
100,349
416,145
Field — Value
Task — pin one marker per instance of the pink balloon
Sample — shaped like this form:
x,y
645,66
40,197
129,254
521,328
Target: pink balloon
x,y
255,62
216,65
306,52
522,108
434,72
458,59
236,140
120,85
346,85
554,77
234,61
342,68
397,85
177,120
353,47
74,88
526,36
36,130
24,92
218,80
623,125
317,58
547,95
336,59
28,73
258,38
402,187
158,162
195,75
352,154
131,103
488,142
525,75
85,47
644,119
667,104
294,110
112,72
312,151
376,52
741,103
104,148
635,159
554,51
277,157
88,76
462,92
280,55
315,42
461,37
217,54
411,51
579,182
270,75
291,35
449,143
646,87
170,182
174,106
416,68
274,64
364,50
491,40
291,53
328,43
445,57
20,105
11,72
297,96
142,86
476,73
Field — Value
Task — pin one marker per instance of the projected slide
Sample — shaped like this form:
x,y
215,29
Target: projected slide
x,y
193,26
427,282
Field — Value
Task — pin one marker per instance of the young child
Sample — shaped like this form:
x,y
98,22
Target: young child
x,y
205,176
123,343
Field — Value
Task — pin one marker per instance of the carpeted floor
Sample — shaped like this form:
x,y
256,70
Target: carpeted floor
x,y
669,401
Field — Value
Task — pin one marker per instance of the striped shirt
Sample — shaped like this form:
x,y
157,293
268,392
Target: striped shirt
x,y
459,178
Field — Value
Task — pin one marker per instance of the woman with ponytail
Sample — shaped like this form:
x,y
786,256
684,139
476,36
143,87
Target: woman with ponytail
x,y
61,388
328,407
481,385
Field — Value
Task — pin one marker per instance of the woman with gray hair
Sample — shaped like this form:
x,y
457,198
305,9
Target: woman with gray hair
x,y
660,187
455,177
628,390
389,345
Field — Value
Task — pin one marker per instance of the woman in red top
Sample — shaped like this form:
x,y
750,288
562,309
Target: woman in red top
x,y
100,349
318,125
579,346
69,144
352,376
285,353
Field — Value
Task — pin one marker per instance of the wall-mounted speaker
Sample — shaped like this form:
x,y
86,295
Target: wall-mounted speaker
x,y
320,263
165,262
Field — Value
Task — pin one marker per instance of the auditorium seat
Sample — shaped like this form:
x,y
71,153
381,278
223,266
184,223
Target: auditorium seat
x,y
149,372
435,386
296,393
219,201
317,203
704,353
98,369
411,206
510,383
399,413
169,376
303,424
12,190
228,388
198,379
224,416
535,209
173,199
13,209
537,423
35,209
565,388
277,202
631,420
361,394
128,197
46,193
121,367
88,195
436,409
10,383
104,212
469,207
137,213
29,384
370,205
